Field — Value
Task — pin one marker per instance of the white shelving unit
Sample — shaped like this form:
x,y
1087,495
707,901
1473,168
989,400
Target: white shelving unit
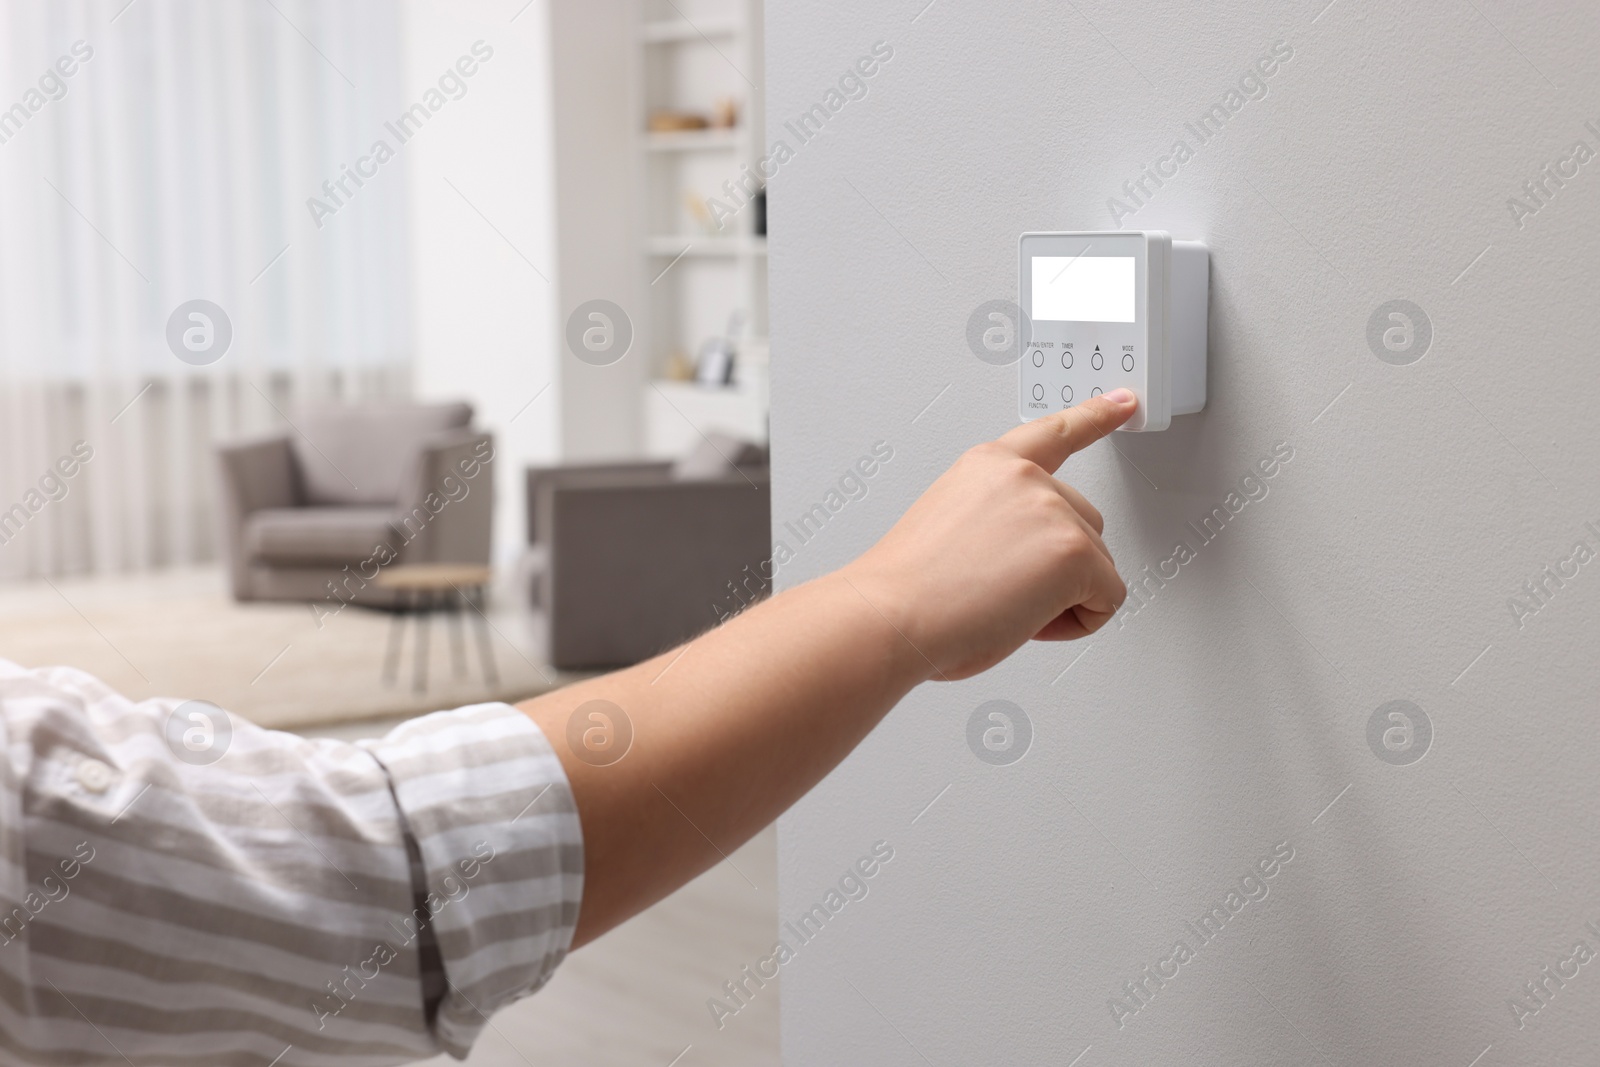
x,y
691,54
690,245
679,28
693,141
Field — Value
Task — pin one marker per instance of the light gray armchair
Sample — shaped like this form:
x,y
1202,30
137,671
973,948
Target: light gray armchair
x,y
355,487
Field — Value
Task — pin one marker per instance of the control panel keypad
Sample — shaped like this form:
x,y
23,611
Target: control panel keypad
x,y
1061,373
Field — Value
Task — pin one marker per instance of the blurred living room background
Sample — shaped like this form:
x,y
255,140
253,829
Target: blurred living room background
x,y
362,358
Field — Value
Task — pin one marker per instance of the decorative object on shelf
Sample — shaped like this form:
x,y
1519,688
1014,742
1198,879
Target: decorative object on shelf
x,y
725,113
665,120
715,364
679,368
696,206
717,359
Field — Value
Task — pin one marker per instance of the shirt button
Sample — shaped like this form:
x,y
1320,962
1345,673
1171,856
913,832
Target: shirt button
x,y
94,776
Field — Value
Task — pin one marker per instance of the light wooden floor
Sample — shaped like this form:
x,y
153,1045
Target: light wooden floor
x,y
178,633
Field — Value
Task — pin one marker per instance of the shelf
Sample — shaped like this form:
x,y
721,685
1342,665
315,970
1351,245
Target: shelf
x,y
678,413
674,389
671,245
710,140
689,63
675,31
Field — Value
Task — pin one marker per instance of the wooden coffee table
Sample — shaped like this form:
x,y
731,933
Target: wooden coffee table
x,y
424,588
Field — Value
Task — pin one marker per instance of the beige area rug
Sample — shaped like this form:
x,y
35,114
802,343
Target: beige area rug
x,y
180,634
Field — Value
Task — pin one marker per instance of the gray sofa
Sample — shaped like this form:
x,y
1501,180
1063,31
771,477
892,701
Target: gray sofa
x,y
314,513
631,559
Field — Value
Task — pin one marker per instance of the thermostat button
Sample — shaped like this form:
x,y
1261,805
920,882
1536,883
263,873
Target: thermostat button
x,y
1096,361
1066,359
1038,392
1038,357
1066,393
1127,361
1096,391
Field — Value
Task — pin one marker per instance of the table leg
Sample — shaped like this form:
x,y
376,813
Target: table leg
x,y
458,634
397,631
424,622
485,649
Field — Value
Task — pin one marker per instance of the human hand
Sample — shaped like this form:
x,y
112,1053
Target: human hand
x,y
997,551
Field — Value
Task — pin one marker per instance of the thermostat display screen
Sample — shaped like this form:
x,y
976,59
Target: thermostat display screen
x,y
1083,288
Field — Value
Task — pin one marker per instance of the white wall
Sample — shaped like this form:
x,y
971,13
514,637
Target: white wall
x,y
597,233
483,212
541,218
1174,751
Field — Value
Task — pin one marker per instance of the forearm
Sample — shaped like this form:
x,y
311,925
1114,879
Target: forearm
x,y
728,731
740,723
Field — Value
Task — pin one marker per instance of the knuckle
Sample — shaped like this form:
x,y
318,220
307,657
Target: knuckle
x,y
1071,543
1049,505
1017,470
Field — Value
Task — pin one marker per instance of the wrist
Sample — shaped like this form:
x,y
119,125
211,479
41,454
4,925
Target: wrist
x,y
888,622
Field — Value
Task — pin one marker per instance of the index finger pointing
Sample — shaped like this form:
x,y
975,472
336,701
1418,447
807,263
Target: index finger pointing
x,y
1049,440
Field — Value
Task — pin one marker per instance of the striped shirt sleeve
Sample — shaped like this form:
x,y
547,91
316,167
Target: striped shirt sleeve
x,y
286,902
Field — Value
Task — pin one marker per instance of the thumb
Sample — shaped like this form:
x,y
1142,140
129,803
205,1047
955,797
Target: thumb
x,y
1049,440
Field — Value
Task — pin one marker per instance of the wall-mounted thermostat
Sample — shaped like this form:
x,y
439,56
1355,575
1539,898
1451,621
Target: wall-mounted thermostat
x,y
1120,308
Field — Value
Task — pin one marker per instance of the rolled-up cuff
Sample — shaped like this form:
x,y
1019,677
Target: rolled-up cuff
x,y
501,851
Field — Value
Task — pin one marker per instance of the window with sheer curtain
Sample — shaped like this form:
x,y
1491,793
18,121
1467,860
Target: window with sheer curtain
x,y
158,152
